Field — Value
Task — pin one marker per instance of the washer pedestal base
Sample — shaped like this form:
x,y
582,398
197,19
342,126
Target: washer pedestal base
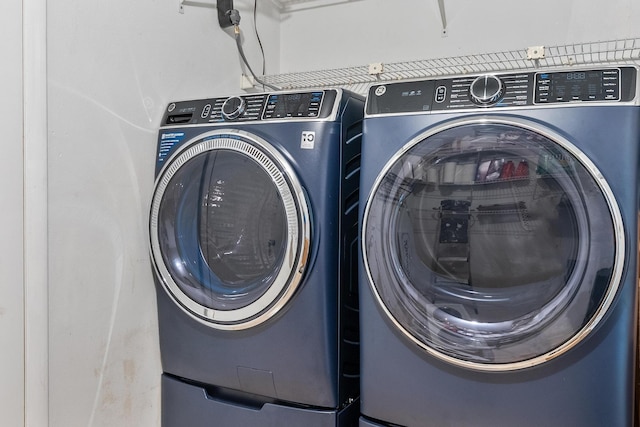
x,y
185,404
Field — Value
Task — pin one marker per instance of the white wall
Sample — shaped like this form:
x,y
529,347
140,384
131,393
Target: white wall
x,y
113,66
11,224
367,31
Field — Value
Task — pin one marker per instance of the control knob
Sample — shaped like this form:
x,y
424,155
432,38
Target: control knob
x,y
233,107
486,90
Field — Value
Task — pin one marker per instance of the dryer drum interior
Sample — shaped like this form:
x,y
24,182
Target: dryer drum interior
x,y
229,230
493,245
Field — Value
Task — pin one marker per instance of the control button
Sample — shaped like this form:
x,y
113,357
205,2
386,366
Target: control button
x,y
205,111
441,94
233,107
486,90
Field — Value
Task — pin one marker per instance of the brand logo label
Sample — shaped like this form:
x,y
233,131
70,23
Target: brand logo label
x,y
381,90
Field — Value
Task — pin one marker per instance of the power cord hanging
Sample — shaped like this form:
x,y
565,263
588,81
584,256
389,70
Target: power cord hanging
x,y
255,29
234,16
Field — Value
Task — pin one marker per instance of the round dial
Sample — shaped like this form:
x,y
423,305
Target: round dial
x,y
233,108
486,90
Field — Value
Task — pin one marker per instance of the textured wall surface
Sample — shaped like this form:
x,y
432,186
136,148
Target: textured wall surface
x,y
113,66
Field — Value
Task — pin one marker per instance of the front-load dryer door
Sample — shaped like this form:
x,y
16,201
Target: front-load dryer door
x,y
492,244
229,229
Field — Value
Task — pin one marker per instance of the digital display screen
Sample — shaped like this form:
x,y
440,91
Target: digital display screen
x,y
572,86
294,105
577,86
577,76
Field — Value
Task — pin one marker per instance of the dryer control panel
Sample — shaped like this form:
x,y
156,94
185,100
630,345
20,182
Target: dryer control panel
x,y
311,105
500,90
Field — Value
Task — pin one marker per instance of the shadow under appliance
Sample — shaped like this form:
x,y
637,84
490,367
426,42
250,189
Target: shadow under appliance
x,y
253,230
499,268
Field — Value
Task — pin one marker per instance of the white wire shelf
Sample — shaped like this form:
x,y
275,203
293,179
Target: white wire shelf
x,y
283,6
359,78
295,5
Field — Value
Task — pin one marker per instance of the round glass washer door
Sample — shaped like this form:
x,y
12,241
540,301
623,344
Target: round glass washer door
x,y
229,229
493,244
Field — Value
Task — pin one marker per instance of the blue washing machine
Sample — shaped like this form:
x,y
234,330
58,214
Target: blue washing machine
x,y
499,238
253,239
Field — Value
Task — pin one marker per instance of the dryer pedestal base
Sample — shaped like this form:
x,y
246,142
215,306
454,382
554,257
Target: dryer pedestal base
x,y
185,404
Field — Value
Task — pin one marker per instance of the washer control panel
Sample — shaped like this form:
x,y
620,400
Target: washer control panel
x,y
253,108
500,90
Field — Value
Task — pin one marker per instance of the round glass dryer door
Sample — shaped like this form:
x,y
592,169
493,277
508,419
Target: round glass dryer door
x,y
229,230
493,245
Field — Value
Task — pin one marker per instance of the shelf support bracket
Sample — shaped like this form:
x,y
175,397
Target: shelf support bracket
x,y
376,68
184,3
443,17
535,54
286,6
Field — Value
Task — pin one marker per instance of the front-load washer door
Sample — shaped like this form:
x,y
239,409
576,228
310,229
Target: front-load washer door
x,y
492,244
229,229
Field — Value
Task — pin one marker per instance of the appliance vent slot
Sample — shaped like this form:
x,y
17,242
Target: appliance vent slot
x,y
349,304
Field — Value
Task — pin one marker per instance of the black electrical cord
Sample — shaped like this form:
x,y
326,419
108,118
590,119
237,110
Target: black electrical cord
x,y
255,27
235,19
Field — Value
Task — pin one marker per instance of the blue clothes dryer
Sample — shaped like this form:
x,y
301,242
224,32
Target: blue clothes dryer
x,y
499,250
253,231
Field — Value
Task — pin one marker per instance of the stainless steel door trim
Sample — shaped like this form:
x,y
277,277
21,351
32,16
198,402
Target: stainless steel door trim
x,y
296,206
616,217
